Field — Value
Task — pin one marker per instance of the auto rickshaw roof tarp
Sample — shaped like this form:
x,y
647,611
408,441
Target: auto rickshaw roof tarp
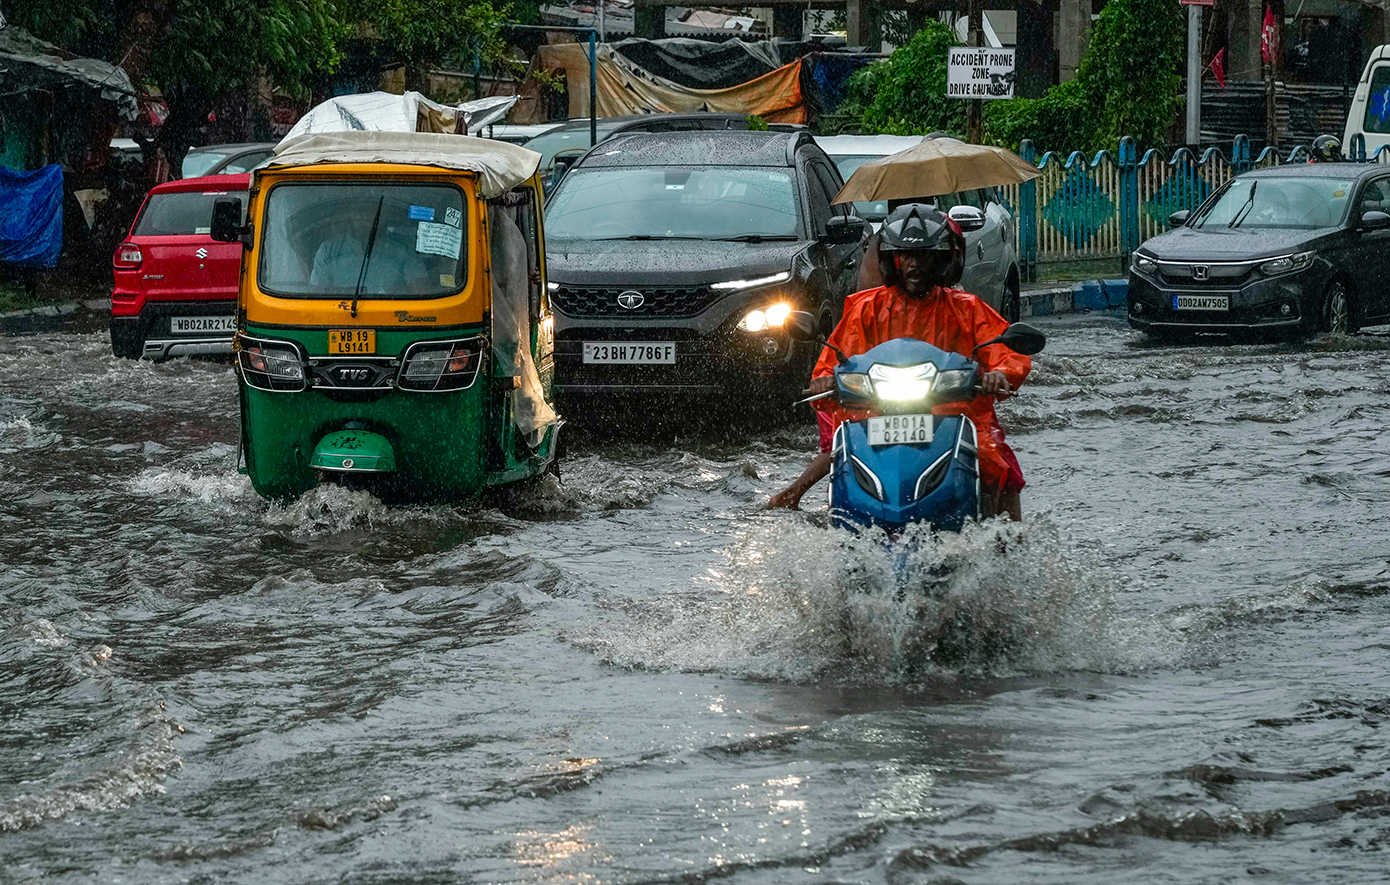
x,y
28,62
499,166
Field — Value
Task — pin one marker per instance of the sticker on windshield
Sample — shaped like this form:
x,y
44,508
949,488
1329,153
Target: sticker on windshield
x,y
446,280
202,230
453,217
438,239
421,213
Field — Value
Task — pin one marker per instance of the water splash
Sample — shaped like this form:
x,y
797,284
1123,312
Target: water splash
x,y
799,601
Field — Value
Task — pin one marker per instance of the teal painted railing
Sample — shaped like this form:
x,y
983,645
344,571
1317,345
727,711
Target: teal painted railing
x,y
1083,209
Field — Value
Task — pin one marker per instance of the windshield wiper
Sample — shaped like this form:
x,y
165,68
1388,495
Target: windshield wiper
x,y
371,241
1245,209
651,237
757,238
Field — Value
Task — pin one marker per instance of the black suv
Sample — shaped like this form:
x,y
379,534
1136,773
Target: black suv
x,y
675,258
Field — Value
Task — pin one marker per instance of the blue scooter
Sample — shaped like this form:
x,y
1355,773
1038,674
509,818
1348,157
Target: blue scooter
x,y
904,464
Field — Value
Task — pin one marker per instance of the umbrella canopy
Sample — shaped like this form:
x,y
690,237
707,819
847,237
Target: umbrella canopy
x,y
933,167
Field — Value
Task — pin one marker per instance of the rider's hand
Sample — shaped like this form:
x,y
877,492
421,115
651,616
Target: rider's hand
x,y
821,384
995,383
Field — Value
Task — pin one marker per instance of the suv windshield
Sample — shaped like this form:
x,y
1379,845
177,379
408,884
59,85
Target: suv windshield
x,y
688,202
1298,203
370,240
178,214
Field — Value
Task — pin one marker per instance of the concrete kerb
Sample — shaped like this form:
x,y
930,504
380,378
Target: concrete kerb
x,y
1049,299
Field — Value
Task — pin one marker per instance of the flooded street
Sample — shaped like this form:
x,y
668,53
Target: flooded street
x,y
1175,671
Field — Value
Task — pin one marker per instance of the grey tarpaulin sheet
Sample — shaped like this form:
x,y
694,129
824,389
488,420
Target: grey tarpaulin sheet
x,y
511,324
32,62
700,64
388,112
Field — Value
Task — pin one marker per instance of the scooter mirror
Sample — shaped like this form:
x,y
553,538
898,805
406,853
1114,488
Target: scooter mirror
x,y
801,326
1023,338
1020,338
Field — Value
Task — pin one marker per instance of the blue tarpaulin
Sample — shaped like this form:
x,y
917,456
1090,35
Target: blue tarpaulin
x,y
31,216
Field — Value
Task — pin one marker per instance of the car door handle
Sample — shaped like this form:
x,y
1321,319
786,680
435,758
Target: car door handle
x,y
851,262
980,250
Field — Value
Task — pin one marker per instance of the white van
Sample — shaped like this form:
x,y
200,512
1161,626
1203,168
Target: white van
x,y
1369,114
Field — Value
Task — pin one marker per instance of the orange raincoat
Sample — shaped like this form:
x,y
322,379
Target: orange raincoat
x,y
952,320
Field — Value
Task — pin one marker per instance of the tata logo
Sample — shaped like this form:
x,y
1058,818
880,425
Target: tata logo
x,y
352,376
201,253
631,300
1200,272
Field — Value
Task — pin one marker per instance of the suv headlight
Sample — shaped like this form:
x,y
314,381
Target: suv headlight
x,y
1287,264
1143,264
733,285
271,365
758,320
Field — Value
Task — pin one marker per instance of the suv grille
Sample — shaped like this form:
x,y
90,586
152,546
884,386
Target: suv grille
x,y
656,302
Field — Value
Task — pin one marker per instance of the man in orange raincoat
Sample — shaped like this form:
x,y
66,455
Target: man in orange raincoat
x,y
915,256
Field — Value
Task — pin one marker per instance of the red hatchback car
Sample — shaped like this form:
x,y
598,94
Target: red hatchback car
x,y
175,290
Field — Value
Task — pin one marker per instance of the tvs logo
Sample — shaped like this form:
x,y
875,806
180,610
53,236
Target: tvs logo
x,y
631,300
201,253
352,376
1200,272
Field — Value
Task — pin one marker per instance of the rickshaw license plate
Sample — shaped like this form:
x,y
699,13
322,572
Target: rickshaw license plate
x,y
893,430
1201,302
630,352
353,341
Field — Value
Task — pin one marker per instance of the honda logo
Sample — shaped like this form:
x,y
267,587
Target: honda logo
x,y
1200,271
631,300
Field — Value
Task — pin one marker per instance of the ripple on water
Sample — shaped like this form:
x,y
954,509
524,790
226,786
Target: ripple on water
x,y
799,602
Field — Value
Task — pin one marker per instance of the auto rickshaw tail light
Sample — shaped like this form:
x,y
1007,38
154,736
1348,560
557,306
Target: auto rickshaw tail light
x,y
267,365
440,366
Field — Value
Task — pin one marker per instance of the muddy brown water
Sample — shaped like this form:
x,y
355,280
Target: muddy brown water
x,y
1175,671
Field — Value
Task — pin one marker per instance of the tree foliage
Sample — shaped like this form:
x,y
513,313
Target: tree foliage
x,y
906,93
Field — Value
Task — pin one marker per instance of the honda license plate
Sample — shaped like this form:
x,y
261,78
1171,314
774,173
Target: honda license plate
x,y
202,325
892,430
628,353
351,341
1201,302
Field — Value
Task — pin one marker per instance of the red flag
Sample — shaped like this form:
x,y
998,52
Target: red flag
x,y
1218,67
1268,37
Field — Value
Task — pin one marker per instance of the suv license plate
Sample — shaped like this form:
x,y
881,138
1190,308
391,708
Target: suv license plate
x,y
351,341
650,353
1201,302
893,430
201,325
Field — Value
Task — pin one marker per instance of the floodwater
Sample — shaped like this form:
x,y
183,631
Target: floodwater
x,y
1175,671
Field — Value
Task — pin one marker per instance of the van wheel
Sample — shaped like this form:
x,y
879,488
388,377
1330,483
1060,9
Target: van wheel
x,y
1011,305
1337,310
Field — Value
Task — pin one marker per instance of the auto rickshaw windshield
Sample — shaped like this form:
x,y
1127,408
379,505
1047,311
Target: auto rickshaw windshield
x,y
369,240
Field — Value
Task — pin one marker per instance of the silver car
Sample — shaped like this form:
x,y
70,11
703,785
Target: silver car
x,y
991,264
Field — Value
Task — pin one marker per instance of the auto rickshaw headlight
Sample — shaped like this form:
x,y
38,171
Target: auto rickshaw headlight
x,y
437,366
271,365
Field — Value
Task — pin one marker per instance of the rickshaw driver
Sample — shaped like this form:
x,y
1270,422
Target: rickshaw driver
x,y
916,258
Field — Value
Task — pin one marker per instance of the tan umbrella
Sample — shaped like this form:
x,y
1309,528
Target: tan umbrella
x,y
936,166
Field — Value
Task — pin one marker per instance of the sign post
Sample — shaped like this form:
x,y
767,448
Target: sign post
x,y
1194,68
980,73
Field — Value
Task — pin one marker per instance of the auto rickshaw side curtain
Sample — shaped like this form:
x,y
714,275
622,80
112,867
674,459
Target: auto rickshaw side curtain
x,y
511,321
624,88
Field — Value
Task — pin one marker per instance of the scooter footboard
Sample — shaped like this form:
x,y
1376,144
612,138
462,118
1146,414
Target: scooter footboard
x,y
892,485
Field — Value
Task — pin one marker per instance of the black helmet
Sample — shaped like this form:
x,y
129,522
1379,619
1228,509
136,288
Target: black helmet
x,y
1327,149
915,226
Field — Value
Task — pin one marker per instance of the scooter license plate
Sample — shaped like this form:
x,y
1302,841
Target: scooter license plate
x,y
893,430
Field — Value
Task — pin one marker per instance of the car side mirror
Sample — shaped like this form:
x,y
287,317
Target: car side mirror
x,y
967,218
1179,218
841,229
1375,220
1020,338
226,223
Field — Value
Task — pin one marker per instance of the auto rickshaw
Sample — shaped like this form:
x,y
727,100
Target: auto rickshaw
x,y
393,331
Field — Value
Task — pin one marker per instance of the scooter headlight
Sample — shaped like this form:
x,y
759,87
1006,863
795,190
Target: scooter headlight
x,y
956,381
902,383
271,365
439,366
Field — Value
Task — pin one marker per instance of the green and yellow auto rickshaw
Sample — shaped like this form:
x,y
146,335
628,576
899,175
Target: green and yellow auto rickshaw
x,y
393,331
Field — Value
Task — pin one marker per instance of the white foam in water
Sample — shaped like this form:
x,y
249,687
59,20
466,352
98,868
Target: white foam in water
x,y
331,508
205,488
799,602
20,433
